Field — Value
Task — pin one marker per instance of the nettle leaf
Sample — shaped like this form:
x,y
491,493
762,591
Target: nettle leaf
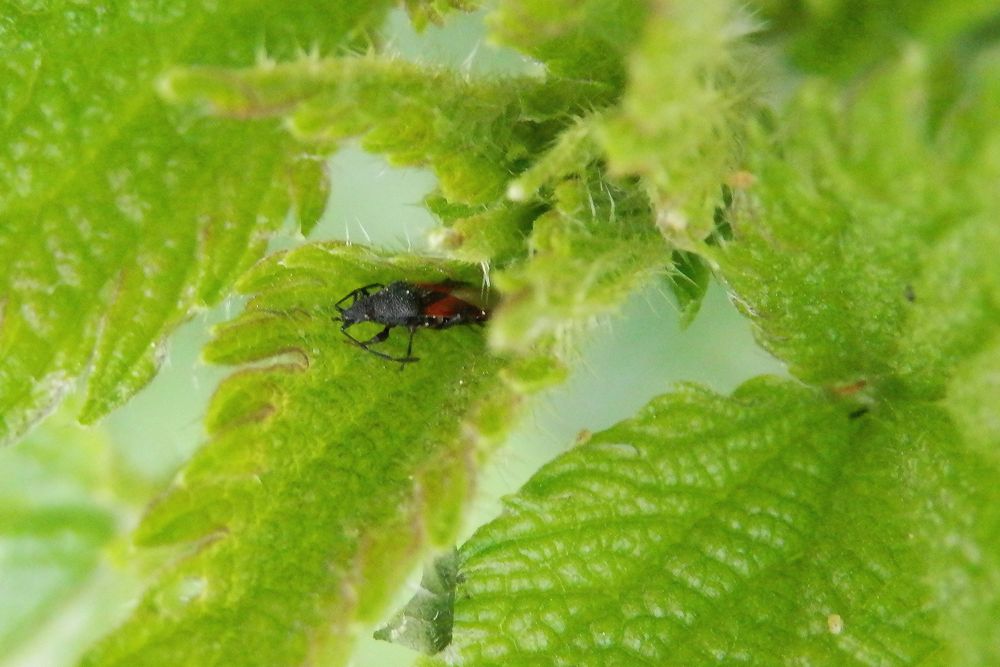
x,y
489,235
577,40
328,473
61,504
473,133
688,282
768,527
956,300
972,399
119,216
588,253
677,127
681,122
841,38
863,250
570,154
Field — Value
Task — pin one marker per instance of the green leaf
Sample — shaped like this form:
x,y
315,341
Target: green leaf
x,y
682,119
841,38
577,40
329,471
573,151
494,235
972,399
863,251
678,127
770,527
60,506
689,282
588,253
473,134
121,217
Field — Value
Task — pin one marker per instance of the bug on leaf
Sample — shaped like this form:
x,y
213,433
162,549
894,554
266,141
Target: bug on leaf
x,y
405,304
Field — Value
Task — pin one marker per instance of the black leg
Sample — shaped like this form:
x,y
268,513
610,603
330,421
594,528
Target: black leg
x,y
380,337
377,338
409,345
409,349
358,293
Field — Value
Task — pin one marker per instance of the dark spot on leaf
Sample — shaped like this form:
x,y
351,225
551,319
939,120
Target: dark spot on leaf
x,y
860,412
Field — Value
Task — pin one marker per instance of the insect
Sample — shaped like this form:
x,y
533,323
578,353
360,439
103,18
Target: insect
x,y
405,304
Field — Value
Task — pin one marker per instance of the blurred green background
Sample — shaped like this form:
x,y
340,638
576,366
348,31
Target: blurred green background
x,y
68,495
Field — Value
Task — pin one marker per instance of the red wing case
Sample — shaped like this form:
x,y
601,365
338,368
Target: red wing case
x,y
441,301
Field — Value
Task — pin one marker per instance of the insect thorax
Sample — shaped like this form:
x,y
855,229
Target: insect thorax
x,y
398,304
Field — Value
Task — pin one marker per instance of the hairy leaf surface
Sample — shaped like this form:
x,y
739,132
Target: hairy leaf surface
x,y
119,216
577,40
864,250
473,134
840,38
681,122
328,473
588,253
769,527
678,127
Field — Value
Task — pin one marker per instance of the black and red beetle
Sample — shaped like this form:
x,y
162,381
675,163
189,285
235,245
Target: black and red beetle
x,y
405,304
